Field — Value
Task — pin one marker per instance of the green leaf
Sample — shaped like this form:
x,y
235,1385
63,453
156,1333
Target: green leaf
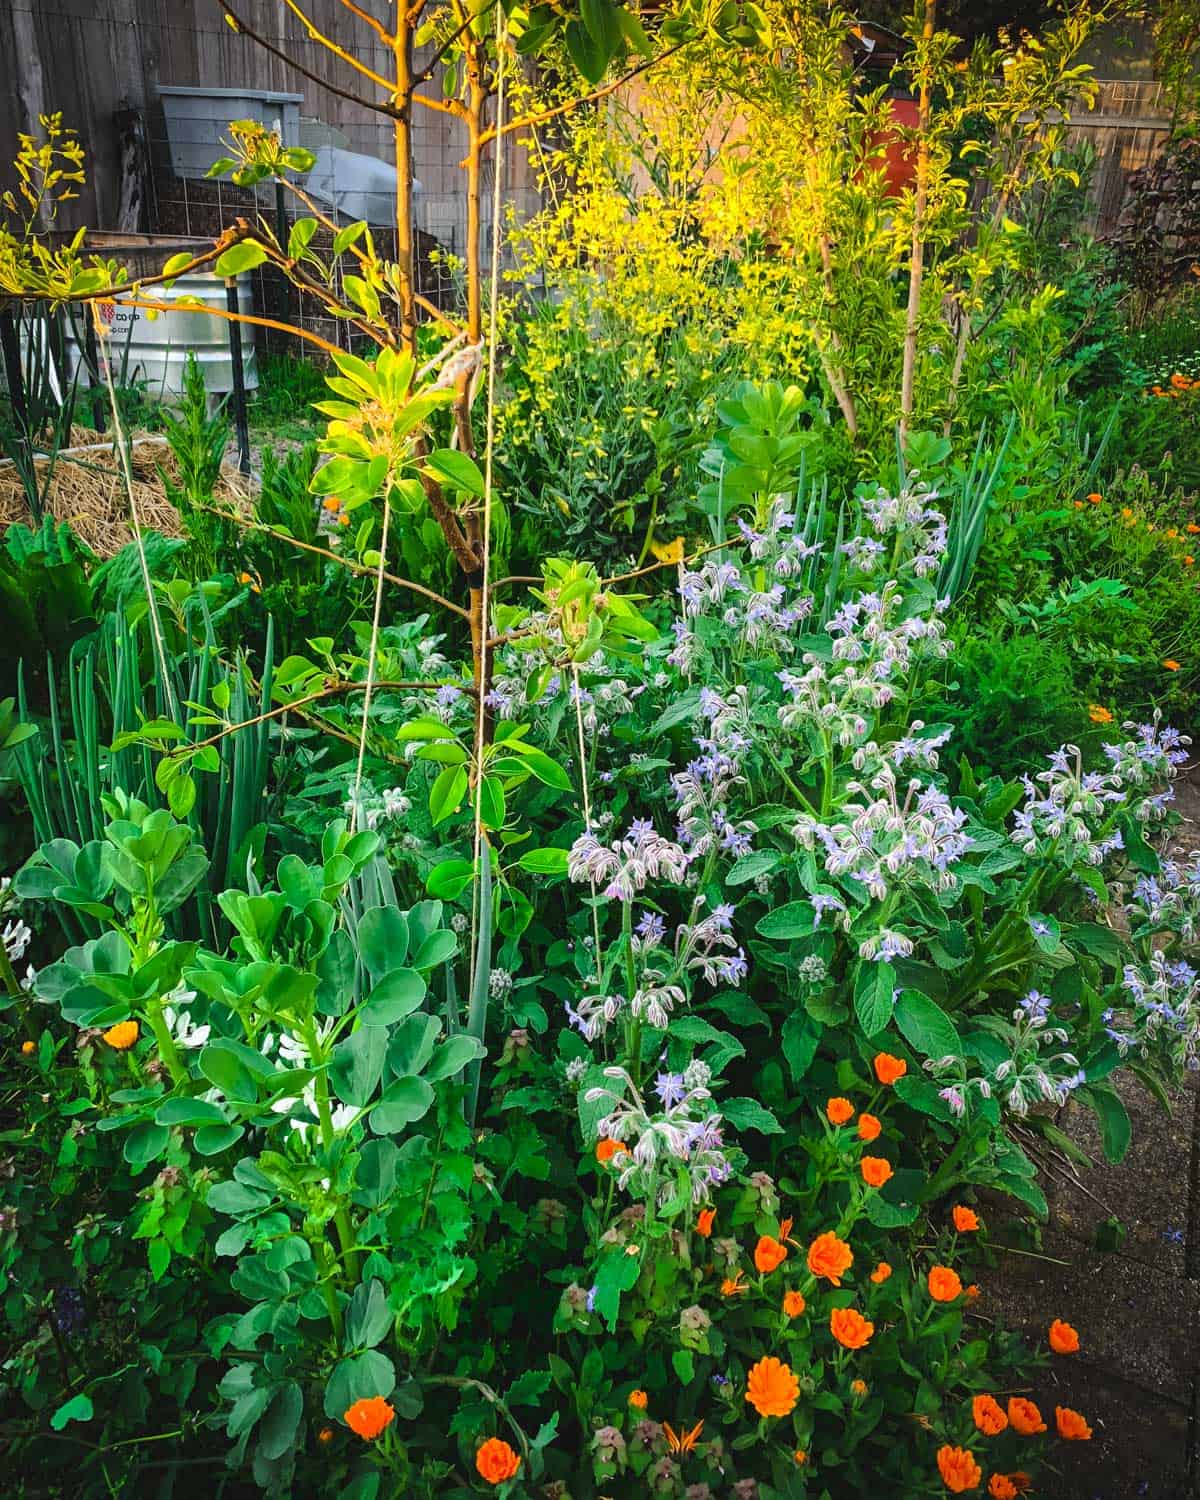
x,y
190,1112
281,1421
748,1114
223,1065
448,880
403,1103
383,939
588,56
211,1140
792,920
301,237
342,240
376,1175
547,771
874,986
751,866
357,1064
799,1040
368,1318
77,1409
544,861
357,1379
1115,1129
396,995
453,1056
438,948
616,1273
239,258
684,1365
145,1143
236,1198
1050,936
920,1094
411,1045
447,793
491,802
926,1026
362,294
456,469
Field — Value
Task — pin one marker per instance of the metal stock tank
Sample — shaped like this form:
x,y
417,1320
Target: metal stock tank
x,y
154,348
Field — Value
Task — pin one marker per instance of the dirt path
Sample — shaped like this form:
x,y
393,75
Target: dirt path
x,y
1120,1260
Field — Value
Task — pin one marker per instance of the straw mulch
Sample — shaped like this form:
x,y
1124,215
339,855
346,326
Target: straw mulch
x,y
87,491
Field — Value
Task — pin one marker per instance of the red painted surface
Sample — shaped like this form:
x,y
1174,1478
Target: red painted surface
x,y
899,156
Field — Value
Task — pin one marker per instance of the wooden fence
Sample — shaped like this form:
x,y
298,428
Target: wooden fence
x,y
1127,129
93,58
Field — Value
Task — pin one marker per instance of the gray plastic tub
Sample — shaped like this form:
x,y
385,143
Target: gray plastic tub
x,y
198,120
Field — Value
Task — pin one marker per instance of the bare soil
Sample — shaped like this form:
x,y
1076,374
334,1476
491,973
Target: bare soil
x,y
1120,1260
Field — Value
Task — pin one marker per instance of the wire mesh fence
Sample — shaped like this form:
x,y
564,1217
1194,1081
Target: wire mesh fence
x,y
189,207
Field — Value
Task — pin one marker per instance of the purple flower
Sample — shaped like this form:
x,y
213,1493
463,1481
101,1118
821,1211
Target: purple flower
x,y
670,1089
651,928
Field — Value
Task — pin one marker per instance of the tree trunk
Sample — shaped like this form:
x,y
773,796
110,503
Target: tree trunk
x,y
916,265
402,133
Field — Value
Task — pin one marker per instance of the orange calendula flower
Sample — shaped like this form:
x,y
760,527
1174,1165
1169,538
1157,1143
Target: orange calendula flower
x,y
972,1292
769,1254
1095,499
1071,1425
732,1285
369,1416
331,502
1001,1487
1188,561
771,1388
800,1458
704,1222
850,1328
881,1273
606,1149
1063,1338
1127,512
1098,714
683,1441
1192,529
889,1068
1171,664
496,1461
869,1127
1078,504
639,1399
966,1220
858,1388
875,1170
839,1111
325,1435
122,1036
944,1284
1024,1416
830,1257
1180,382
28,1047
958,1469
988,1415
793,1304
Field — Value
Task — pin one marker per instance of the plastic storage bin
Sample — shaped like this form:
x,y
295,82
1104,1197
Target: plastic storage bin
x,y
198,119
